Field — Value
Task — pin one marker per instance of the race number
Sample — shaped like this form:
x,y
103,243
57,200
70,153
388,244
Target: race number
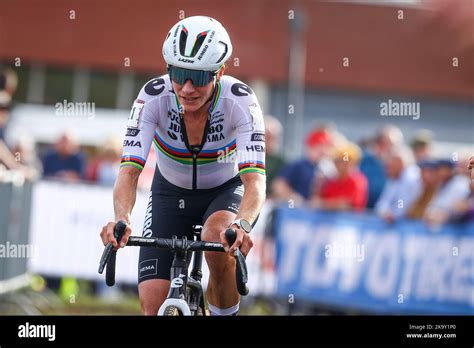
x,y
135,113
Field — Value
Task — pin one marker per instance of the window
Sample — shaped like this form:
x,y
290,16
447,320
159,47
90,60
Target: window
x,y
103,89
58,85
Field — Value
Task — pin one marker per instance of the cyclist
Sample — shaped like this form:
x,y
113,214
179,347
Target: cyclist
x,y
209,135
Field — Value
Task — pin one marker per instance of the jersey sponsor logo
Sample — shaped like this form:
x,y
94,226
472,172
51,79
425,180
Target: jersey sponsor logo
x,y
132,143
215,137
216,129
172,135
147,268
132,132
258,137
255,148
175,127
240,90
155,86
219,120
173,115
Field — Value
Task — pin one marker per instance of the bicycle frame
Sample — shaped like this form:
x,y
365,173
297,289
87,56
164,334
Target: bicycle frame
x,y
186,292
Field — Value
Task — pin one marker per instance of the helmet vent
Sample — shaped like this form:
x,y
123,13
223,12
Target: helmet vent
x,y
182,40
199,41
223,54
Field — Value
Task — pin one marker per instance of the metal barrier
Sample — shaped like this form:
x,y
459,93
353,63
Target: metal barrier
x,y
15,207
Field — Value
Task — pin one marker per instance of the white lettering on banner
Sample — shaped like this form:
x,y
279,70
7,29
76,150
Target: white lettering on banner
x,y
293,242
383,269
352,267
462,282
344,248
421,267
413,249
314,273
435,270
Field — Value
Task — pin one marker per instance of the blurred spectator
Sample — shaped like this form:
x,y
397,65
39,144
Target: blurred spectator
x,y
421,145
454,188
105,168
403,185
429,187
348,189
274,161
5,100
7,158
372,165
24,151
65,160
471,167
8,81
464,210
297,180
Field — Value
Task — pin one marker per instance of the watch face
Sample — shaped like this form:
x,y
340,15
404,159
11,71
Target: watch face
x,y
245,225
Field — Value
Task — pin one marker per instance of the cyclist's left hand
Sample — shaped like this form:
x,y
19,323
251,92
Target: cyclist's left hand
x,y
243,242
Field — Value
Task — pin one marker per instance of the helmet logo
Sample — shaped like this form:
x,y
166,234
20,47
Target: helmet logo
x,y
185,60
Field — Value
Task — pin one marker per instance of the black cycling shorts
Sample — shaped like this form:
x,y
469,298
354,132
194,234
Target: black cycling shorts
x,y
173,210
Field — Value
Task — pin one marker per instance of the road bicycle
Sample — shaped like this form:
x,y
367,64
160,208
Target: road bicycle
x,y
185,296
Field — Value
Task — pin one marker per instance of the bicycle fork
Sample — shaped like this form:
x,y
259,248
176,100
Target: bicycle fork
x,y
179,280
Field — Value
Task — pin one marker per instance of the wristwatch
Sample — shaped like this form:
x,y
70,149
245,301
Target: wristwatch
x,y
243,224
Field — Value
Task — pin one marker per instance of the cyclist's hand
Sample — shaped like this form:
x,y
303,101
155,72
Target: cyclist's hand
x,y
243,242
107,235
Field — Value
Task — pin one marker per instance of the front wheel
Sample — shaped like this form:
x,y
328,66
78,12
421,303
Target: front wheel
x,y
172,311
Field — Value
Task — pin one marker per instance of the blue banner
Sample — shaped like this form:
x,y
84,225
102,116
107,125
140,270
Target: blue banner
x,y
360,262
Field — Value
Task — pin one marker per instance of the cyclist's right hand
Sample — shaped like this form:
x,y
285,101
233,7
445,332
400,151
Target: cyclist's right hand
x,y
107,235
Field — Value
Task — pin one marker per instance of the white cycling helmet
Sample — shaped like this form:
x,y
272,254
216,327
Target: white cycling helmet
x,y
197,43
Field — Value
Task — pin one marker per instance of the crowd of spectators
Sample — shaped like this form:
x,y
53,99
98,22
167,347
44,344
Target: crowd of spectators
x,y
383,175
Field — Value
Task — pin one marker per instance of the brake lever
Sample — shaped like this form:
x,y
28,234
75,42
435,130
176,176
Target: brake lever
x,y
109,248
105,257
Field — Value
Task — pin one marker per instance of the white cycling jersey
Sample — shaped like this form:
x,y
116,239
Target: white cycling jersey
x,y
234,141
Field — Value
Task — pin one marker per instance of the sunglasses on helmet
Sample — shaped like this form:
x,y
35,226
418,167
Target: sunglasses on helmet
x,y
199,78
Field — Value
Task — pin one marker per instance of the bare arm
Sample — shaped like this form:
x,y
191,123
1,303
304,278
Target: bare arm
x,y
125,192
252,202
254,196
